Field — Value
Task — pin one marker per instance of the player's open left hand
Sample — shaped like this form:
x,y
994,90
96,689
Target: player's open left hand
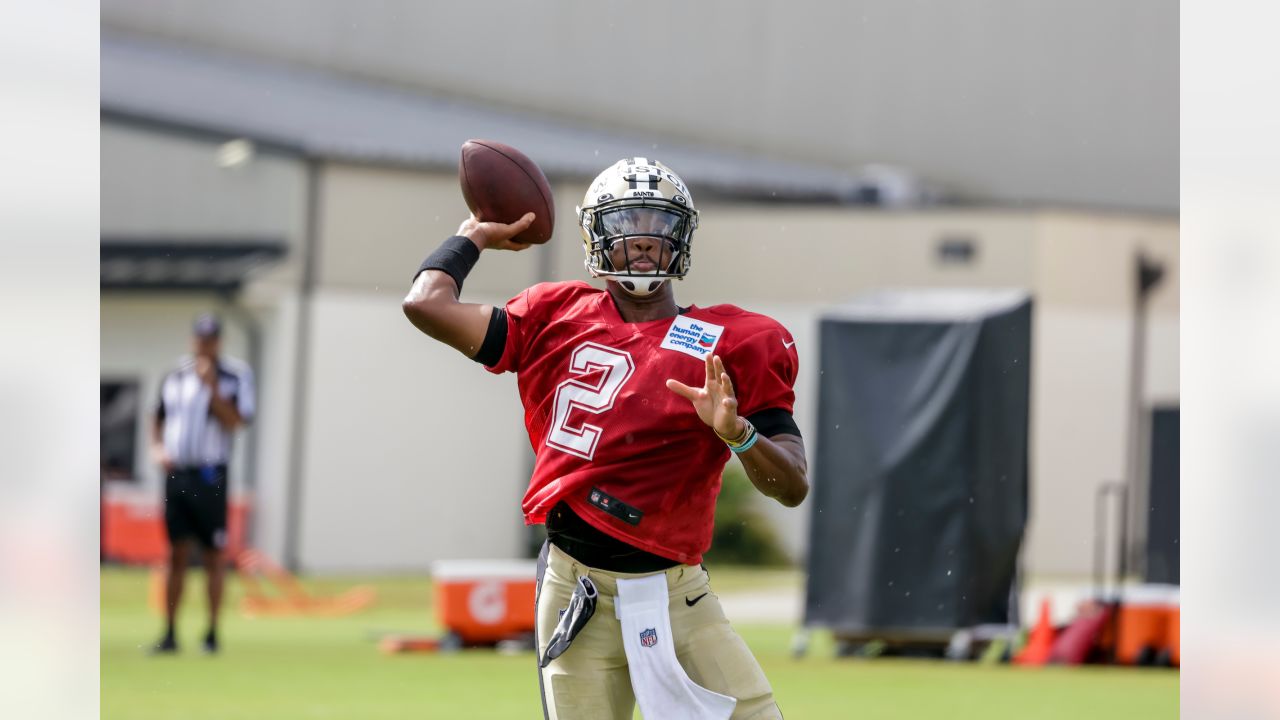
x,y
715,402
496,235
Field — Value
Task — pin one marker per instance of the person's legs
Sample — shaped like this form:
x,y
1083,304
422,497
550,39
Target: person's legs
x,y
590,680
713,655
179,556
207,502
214,570
178,526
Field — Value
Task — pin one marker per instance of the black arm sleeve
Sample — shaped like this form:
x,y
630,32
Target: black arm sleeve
x,y
495,339
774,421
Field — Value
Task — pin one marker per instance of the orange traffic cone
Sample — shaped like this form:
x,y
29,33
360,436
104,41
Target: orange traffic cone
x,y
1040,643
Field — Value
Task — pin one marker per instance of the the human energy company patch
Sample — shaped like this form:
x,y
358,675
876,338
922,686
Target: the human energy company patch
x,y
692,337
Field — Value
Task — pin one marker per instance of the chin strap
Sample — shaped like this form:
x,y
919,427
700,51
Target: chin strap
x,y
638,285
634,285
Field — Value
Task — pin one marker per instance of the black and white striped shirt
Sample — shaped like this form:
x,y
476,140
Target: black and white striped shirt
x,y
193,436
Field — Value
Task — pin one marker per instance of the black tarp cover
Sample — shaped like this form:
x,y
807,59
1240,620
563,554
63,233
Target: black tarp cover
x,y
1162,499
920,478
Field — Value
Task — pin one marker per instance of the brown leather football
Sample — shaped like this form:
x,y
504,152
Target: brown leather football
x,y
501,184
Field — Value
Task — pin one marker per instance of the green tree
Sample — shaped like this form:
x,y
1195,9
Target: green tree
x,y
743,535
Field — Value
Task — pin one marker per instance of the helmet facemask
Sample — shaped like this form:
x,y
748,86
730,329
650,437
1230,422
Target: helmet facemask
x,y
641,240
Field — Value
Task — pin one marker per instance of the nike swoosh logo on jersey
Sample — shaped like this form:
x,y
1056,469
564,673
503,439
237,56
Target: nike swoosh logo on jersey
x,y
788,345
694,601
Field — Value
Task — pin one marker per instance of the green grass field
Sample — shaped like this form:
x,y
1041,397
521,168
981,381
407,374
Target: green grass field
x,y
284,668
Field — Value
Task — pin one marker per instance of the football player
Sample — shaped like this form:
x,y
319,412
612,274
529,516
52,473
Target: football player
x,y
633,405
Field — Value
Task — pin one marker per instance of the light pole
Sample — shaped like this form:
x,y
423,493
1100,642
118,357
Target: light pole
x,y
1148,273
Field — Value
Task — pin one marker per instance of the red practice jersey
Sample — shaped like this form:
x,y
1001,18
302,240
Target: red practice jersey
x,y
627,454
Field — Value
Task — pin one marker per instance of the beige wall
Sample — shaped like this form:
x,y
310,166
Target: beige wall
x,y
1069,102
379,224
276,312
412,453
786,261
1086,114
1081,364
824,256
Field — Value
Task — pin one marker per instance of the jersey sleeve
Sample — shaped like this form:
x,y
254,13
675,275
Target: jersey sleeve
x,y
763,368
525,315
517,309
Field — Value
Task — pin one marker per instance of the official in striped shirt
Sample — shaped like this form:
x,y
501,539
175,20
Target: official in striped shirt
x,y
202,403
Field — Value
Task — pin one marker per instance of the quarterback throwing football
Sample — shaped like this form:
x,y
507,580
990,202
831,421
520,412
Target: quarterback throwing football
x,y
633,405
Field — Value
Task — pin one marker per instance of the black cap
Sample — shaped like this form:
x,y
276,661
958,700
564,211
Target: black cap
x,y
207,325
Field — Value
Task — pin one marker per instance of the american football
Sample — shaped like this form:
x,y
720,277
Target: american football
x,y
501,184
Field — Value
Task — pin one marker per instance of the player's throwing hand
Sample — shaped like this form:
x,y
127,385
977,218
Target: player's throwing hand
x,y
496,235
715,402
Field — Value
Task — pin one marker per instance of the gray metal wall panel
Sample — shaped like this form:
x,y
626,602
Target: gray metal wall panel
x,y
1069,101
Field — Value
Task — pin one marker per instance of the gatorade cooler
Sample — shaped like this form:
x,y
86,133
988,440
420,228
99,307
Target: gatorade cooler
x,y
484,601
1143,623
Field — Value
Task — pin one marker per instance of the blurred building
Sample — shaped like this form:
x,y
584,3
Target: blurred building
x,y
296,177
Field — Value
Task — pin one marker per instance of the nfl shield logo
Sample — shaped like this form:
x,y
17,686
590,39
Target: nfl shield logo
x,y
649,638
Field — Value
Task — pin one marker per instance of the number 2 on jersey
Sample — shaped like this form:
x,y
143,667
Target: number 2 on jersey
x,y
575,394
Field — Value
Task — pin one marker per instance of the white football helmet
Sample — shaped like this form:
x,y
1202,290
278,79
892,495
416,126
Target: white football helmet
x,y
637,198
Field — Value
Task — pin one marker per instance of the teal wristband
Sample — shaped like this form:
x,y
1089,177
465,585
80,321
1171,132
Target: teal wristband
x,y
746,445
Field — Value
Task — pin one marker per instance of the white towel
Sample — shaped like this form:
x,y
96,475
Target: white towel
x,y
661,685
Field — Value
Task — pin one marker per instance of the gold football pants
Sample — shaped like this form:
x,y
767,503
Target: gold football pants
x,y
590,680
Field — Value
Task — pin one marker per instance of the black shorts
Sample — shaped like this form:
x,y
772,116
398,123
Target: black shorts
x,y
195,505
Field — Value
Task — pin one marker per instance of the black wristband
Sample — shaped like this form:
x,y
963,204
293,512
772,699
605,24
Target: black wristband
x,y
455,256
